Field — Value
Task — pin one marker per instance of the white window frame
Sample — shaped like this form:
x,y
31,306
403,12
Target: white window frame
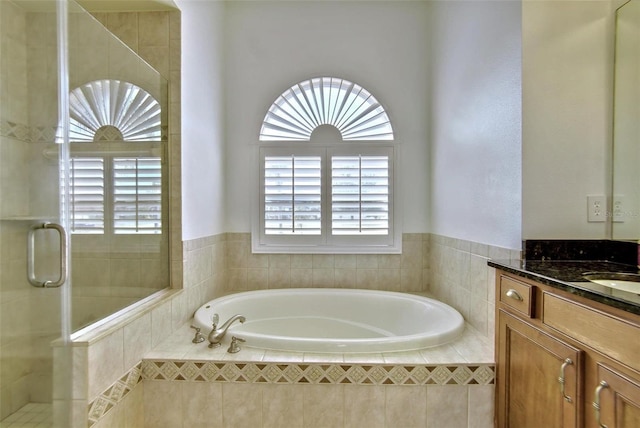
x,y
363,128
327,243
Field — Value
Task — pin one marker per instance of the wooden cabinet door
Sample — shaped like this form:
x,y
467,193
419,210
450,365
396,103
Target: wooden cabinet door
x,y
538,378
616,399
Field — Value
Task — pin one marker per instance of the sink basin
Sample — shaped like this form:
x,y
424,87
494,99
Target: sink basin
x,y
629,282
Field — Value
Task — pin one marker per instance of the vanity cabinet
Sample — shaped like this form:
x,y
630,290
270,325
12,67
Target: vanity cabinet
x,y
563,360
617,399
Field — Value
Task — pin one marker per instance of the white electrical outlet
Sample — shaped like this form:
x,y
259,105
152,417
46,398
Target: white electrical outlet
x,y
618,209
596,208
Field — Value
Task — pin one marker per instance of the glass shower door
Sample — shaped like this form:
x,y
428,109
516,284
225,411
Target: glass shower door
x,y
34,290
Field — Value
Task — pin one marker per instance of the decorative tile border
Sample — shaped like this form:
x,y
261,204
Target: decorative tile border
x,y
114,394
289,373
45,134
317,373
16,130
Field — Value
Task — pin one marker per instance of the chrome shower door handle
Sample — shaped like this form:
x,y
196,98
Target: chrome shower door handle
x,y
31,268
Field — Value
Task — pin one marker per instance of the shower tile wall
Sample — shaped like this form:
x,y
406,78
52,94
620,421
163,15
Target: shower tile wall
x,y
113,272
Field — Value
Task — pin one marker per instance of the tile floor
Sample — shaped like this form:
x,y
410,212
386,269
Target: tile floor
x,y
32,415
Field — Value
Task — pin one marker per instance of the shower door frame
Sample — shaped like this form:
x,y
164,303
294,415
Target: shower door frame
x,y
36,327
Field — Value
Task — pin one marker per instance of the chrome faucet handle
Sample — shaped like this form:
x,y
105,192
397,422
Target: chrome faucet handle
x,y
199,337
214,321
234,346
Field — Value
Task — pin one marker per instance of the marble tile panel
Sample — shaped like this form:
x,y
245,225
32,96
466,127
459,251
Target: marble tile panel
x,y
241,405
105,358
161,326
125,26
403,358
323,277
153,29
201,404
279,261
405,406
323,406
282,406
364,406
134,408
301,261
161,408
481,406
444,354
447,405
137,337
346,261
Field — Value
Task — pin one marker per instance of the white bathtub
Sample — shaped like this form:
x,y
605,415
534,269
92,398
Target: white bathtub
x,y
334,320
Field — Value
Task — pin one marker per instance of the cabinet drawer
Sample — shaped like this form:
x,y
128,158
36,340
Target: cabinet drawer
x,y
516,295
603,332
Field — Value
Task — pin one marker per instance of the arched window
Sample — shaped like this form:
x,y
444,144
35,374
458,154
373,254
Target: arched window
x,y
327,155
113,110
115,167
350,108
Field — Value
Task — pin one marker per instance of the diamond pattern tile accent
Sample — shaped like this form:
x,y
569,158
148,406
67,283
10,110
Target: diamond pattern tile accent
x,y
292,373
19,131
288,373
114,394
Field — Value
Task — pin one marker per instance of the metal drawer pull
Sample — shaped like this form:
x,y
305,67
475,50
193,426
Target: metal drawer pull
x,y
31,275
513,294
561,379
596,402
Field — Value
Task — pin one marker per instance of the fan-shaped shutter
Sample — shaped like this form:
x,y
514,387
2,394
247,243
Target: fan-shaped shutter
x,y
115,104
326,101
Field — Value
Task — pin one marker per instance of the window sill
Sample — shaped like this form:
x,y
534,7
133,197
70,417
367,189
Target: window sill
x,y
257,248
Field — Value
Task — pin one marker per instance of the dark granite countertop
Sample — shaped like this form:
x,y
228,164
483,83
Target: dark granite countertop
x,y
567,275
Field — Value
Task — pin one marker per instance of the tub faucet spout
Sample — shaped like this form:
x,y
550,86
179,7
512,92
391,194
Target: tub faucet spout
x,y
217,333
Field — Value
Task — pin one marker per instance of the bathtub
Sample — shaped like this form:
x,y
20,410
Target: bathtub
x,y
334,320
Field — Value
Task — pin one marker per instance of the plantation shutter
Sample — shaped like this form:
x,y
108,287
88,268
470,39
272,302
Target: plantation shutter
x,y
360,195
326,173
87,195
137,195
292,195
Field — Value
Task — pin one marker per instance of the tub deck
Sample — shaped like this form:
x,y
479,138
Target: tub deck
x,y
467,362
470,348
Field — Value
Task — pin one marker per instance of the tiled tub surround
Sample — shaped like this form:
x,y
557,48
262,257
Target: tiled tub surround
x,y
458,275
453,270
189,385
106,355
393,272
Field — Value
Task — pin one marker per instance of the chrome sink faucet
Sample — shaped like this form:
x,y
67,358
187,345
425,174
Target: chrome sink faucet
x,y
217,333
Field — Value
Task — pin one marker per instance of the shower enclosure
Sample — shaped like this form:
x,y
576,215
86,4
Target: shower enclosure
x,y
83,212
